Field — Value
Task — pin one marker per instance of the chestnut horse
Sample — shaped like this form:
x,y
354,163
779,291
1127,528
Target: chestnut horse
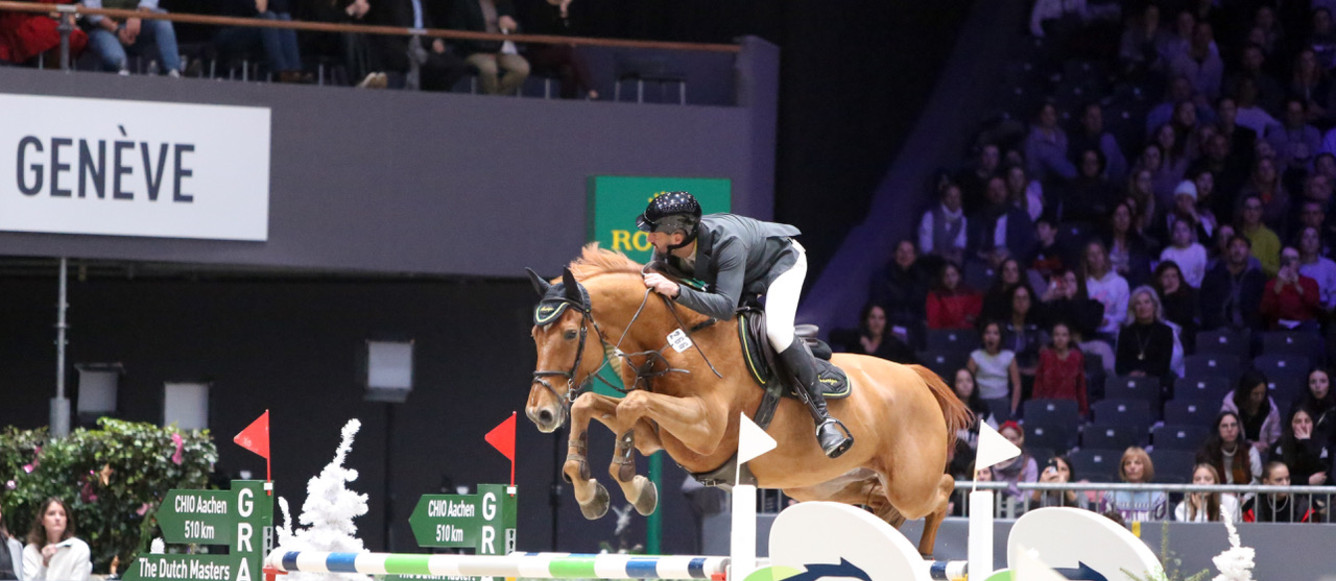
x,y
903,417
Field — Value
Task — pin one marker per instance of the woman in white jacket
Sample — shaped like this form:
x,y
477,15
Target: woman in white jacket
x,y
53,552
1207,506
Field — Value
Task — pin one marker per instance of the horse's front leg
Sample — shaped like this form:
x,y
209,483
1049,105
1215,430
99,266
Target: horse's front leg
x,y
640,491
691,420
589,493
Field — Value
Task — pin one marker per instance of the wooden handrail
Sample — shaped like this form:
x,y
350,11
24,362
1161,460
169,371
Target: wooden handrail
x,y
8,5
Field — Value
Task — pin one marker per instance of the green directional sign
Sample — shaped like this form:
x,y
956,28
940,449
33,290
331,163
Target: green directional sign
x,y
199,516
241,518
484,522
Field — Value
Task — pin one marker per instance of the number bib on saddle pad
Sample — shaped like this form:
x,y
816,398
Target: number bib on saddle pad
x,y
761,358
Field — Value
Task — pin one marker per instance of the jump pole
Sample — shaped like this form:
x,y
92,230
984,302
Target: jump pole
x,y
530,565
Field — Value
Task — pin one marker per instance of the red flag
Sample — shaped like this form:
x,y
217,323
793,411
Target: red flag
x,y
256,436
502,437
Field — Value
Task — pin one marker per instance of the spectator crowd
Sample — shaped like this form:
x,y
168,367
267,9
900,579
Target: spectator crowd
x,y
126,45
1139,274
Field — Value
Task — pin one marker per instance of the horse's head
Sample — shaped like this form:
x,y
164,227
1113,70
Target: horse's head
x,y
561,332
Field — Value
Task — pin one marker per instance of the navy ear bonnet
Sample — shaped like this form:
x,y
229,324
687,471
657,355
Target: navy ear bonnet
x,y
555,298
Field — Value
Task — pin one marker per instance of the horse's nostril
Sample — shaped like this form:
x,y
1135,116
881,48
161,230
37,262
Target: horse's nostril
x,y
545,416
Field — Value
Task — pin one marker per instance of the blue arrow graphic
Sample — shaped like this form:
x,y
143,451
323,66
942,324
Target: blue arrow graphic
x,y
1082,572
844,569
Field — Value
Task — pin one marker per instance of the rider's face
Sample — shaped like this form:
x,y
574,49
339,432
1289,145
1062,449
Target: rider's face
x,y
662,240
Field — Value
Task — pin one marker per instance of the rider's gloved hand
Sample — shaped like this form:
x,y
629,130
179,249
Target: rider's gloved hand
x,y
662,285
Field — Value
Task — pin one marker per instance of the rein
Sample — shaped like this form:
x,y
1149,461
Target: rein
x,y
644,373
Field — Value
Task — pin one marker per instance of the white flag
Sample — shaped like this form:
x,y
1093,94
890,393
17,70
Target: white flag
x,y
993,448
752,440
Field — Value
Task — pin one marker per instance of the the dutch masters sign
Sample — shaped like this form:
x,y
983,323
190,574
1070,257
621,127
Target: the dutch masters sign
x,y
133,168
615,201
241,518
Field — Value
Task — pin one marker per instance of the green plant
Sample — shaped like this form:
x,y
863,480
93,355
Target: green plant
x,y
1172,564
111,478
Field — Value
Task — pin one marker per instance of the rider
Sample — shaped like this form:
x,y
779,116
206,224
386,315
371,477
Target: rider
x,y
733,255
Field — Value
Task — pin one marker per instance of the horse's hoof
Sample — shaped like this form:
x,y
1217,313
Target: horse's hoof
x,y
649,498
597,506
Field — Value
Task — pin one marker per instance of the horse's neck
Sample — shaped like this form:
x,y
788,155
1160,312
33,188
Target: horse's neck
x,y
635,323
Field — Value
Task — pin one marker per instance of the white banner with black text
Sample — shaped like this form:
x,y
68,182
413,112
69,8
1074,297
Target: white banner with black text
x,y
133,168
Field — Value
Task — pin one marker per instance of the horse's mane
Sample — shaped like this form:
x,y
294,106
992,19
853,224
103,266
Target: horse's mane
x,y
595,261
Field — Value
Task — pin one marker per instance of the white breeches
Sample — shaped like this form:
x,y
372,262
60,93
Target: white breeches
x,y
781,301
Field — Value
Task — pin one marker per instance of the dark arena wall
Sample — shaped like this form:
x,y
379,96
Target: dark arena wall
x,y
292,347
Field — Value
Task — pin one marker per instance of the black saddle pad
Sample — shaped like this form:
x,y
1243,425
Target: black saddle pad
x,y
762,361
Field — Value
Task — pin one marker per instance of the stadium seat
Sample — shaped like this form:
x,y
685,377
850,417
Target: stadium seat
x,y
1187,437
1287,384
1191,412
1127,412
1146,389
1052,411
966,340
1224,342
1112,436
1225,365
1000,408
944,363
1055,437
1096,465
1173,466
1284,367
1040,454
1206,389
1051,423
1290,343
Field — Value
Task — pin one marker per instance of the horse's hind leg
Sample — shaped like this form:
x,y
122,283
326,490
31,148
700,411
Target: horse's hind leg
x,y
868,492
934,520
641,492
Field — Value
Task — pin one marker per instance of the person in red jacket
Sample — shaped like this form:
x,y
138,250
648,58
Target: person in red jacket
x,y
950,304
24,35
1291,301
1061,373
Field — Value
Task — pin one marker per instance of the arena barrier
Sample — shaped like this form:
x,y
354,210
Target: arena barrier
x,y
531,565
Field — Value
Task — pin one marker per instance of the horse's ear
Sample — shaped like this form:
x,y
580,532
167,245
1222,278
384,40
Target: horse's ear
x,y
540,286
572,288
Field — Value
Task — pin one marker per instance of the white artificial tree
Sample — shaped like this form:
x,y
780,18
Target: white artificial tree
x,y
1236,562
328,513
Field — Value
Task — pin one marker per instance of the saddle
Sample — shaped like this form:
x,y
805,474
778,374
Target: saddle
x,y
763,361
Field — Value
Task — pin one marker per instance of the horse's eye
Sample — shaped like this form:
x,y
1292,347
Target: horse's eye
x,y
570,335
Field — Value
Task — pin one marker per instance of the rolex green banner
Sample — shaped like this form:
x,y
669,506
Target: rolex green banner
x,y
615,201
614,204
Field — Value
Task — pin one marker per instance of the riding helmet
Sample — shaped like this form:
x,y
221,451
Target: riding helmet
x,y
670,211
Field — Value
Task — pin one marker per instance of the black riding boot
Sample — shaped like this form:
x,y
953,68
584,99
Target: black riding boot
x,y
830,433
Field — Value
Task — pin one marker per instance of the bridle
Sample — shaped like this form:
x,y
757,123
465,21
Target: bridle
x,y
560,298
573,388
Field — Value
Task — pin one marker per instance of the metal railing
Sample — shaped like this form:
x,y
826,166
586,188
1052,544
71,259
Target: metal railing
x,y
68,11
1008,506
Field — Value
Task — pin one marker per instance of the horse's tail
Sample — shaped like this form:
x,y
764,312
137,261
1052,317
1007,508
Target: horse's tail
x,y
958,415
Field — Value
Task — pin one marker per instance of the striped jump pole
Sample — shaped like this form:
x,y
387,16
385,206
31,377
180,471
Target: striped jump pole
x,y
531,565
